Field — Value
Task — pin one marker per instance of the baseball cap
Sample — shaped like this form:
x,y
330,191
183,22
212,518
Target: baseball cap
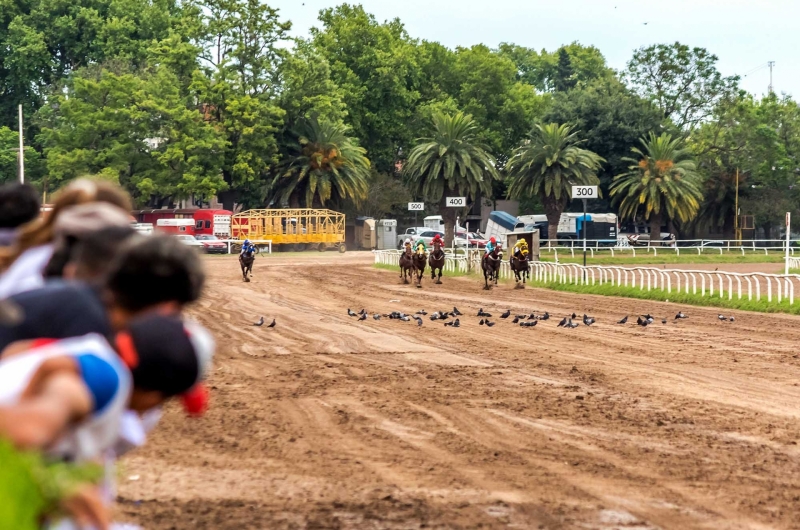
x,y
169,355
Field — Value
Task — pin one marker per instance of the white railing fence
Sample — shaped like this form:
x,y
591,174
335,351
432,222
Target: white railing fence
x,y
752,286
694,246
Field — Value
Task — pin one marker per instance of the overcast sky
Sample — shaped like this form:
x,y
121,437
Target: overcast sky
x,y
743,34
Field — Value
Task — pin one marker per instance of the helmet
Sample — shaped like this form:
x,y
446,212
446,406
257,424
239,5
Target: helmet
x,y
408,241
493,240
437,236
246,241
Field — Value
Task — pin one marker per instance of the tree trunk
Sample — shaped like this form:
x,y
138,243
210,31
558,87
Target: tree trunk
x,y
449,217
552,209
655,229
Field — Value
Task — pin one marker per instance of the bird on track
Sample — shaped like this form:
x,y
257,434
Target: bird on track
x,y
419,321
642,322
435,316
664,320
722,317
490,324
272,325
573,316
522,317
482,322
456,323
362,317
482,313
732,319
515,321
260,322
546,316
422,312
563,322
532,316
681,314
405,318
456,312
506,314
624,320
351,313
362,312
649,319
571,324
376,316
588,320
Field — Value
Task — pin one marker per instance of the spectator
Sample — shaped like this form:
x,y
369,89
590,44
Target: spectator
x,y
19,204
24,262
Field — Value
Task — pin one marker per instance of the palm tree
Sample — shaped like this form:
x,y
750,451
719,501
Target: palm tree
x,y
324,164
450,160
547,165
662,184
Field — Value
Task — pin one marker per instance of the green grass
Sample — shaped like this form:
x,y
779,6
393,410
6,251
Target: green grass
x,y
761,306
664,257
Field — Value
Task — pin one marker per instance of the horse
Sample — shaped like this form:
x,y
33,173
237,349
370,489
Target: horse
x,y
520,266
406,265
419,262
436,261
246,261
491,266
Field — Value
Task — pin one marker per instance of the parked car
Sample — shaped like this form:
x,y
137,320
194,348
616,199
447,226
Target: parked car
x,y
212,244
411,233
190,240
475,239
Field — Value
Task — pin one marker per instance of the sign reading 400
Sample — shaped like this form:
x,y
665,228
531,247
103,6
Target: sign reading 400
x,y
456,202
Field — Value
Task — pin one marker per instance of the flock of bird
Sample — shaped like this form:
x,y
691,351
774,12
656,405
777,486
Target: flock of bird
x,y
525,320
261,323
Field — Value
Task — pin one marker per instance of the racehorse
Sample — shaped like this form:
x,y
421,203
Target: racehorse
x,y
520,265
436,261
491,266
246,261
406,265
420,261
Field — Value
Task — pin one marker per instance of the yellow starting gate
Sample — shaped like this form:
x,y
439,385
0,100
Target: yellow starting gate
x,y
320,229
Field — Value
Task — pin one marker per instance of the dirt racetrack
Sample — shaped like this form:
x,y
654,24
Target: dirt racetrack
x,y
327,422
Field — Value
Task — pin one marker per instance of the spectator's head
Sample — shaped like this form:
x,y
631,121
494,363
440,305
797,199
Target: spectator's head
x,y
153,273
19,204
80,191
91,256
79,223
167,357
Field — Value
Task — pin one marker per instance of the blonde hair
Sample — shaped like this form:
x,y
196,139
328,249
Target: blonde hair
x,y
41,231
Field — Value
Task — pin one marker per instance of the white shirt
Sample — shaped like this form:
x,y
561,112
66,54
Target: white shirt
x,y
25,273
96,433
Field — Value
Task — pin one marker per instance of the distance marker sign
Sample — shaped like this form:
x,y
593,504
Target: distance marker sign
x,y
584,192
456,202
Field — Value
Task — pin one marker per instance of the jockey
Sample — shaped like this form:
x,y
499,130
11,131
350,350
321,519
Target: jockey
x,y
247,248
437,240
521,248
490,246
420,246
407,243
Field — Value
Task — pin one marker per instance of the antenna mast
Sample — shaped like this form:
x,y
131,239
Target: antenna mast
x,y
770,64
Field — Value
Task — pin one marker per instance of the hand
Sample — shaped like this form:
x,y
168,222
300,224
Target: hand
x,y
86,507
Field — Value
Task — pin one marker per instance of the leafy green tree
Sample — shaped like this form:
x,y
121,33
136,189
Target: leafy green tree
x,y
565,76
134,129
541,69
238,89
612,118
683,82
375,66
662,184
326,166
547,165
43,41
450,160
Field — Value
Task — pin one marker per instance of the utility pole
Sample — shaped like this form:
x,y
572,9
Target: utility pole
x,y
736,230
770,64
21,150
